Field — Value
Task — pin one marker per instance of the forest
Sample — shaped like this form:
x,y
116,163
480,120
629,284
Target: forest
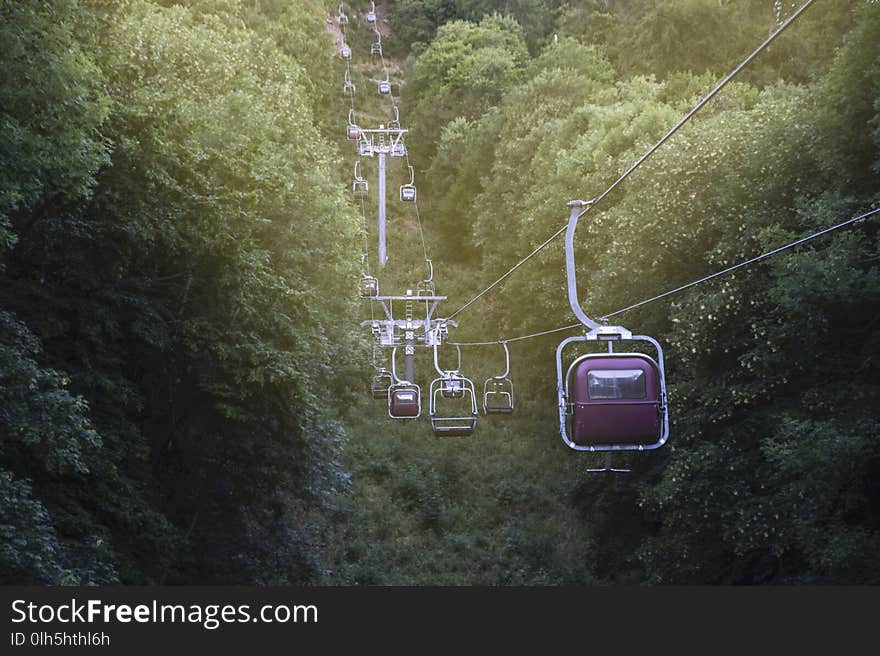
x,y
184,374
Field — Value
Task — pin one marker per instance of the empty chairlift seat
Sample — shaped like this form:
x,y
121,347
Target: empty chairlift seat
x,y
460,420
498,396
380,383
498,390
458,417
360,187
615,399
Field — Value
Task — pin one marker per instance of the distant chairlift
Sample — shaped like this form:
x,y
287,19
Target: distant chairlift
x,y
371,15
380,383
369,287
365,147
354,133
342,19
359,187
498,390
408,190
398,148
404,397
385,85
426,286
348,88
452,385
376,48
395,123
345,51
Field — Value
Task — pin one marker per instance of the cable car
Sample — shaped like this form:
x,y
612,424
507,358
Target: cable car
x,y
408,190
385,85
354,132
371,15
498,390
369,286
380,383
613,400
345,51
452,385
359,187
404,397
426,286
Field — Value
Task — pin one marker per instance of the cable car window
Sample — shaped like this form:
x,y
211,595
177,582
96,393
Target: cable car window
x,y
617,384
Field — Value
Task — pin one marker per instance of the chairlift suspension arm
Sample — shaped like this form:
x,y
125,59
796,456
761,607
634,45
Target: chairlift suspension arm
x,y
570,269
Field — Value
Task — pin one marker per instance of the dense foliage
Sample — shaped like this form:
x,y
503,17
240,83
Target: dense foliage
x,y
168,224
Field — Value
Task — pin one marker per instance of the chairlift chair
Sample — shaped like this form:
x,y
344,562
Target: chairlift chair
x,y
398,149
404,397
395,123
380,383
611,401
498,390
345,51
452,385
359,187
376,48
348,88
369,286
385,85
426,286
408,190
342,19
371,15
354,132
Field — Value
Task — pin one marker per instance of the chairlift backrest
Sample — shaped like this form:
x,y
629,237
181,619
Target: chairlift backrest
x,y
498,397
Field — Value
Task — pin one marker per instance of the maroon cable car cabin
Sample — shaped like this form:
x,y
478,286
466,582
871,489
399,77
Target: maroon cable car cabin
x,y
615,399
404,402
